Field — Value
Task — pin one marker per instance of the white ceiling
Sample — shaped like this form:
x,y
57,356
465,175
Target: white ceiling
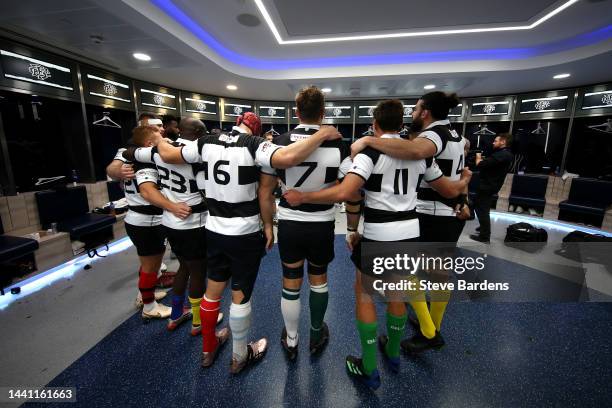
x,y
316,17
182,60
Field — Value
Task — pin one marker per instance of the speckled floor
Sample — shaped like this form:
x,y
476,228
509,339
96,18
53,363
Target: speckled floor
x,y
497,354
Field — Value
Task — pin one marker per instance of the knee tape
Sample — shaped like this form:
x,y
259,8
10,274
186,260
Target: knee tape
x,y
316,270
296,272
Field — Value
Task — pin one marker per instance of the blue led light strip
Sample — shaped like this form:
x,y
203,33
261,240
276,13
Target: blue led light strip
x,y
188,23
545,223
39,281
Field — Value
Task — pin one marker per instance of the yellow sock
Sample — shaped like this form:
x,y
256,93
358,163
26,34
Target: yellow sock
x,y
419,305
438,306
195,310
427,327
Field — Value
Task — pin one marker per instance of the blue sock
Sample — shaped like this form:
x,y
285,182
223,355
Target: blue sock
x,y
177,306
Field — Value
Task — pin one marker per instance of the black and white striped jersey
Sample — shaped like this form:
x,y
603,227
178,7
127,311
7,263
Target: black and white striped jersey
x,y
391,193
449,157
232,164
330,162
140,212
178,184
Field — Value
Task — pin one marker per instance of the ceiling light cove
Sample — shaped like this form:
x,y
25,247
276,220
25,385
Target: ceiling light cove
x,y
533,23
231,87
561,76
326,90
313,67
141,57
430,86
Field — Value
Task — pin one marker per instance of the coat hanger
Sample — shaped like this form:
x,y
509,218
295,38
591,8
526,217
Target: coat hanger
x,y
368,132
484,130
106,121
607,126
539,130
273,131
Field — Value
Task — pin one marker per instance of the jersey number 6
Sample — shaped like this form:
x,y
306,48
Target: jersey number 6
x,y
221,176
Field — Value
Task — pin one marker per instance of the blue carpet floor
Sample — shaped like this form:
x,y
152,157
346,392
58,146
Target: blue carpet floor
x,y
498,354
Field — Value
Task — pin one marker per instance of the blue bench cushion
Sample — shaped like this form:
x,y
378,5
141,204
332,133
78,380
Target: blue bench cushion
x,y
590,193
16,247
528,190
582,208
85,224
518,200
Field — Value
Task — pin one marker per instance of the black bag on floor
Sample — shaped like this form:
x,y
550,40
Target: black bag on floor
x,y
576,246
524,232
579,236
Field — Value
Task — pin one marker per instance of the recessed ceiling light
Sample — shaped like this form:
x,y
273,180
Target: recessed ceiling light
x,y
326,90
232,87
248,20
430,86
141,57
561,76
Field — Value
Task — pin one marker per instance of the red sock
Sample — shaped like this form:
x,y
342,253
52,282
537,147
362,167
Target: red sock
x,y
209,312
146,285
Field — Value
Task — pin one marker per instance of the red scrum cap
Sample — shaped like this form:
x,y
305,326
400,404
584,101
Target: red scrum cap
x,y
251,120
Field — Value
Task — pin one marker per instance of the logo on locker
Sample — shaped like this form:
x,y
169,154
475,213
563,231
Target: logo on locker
x,y
337,111
407,110
489,109
237,110
39,72
201,106
541,105
271,112
158,99
606,99
110,89
371,111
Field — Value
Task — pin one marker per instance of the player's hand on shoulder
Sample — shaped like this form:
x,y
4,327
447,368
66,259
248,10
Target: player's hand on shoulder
x,y
293,197
358,145
330,133
127,172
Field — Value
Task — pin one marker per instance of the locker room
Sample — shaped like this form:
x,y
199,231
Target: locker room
x,y
266,203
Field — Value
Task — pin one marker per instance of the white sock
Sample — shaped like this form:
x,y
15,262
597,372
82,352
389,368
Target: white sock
x,y
148,307
290,307
240,323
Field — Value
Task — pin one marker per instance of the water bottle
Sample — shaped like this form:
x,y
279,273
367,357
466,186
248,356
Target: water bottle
x,y
75,178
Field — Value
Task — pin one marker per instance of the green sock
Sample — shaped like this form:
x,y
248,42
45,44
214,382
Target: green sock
x,y
318,306
367,335
396,326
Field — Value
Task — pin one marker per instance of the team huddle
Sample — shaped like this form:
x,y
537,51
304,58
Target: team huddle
x,y
212,198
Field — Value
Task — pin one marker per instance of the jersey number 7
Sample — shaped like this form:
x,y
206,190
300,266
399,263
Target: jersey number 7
x,y
311,166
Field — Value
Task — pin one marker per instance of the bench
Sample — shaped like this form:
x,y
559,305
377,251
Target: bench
x,y
16,257
528,191
69,208
587,202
